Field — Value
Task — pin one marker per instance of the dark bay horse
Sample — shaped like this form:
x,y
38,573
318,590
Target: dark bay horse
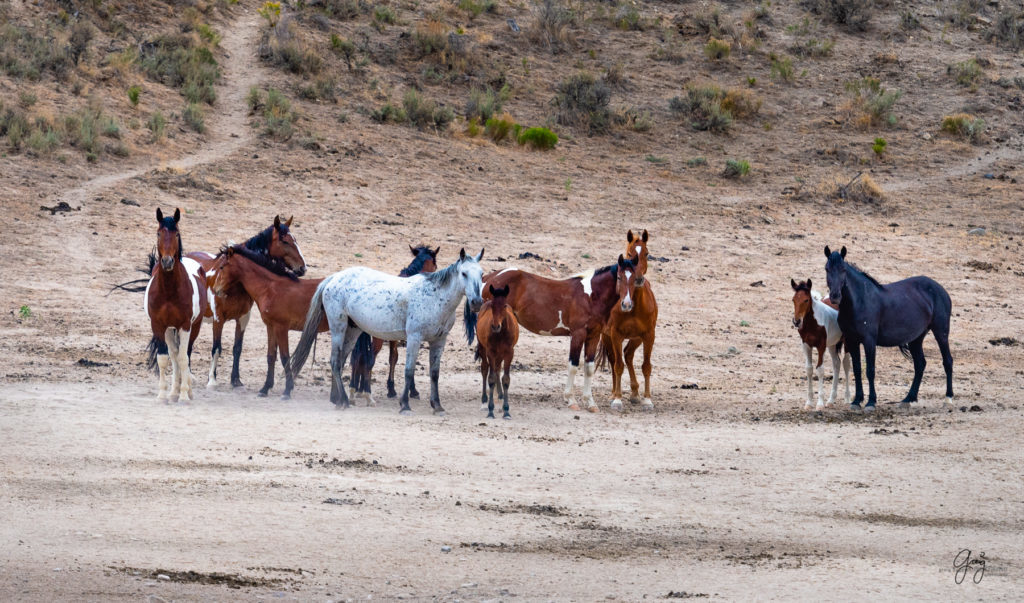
x,y
425,261
632,321
898,314
282,297
817,322
576,307
175,301
497,333
233,303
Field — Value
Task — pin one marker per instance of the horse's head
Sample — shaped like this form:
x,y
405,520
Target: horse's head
x,y
626,278
283,245
801,301
425,256
168,239
498,304
224,270
835,273
471,274
636,251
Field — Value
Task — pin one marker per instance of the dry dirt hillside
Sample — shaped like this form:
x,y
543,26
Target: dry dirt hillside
x,y
744,136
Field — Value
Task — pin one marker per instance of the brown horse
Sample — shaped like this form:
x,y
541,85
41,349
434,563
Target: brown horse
x,y
633,321
282,297
497,333
817,321
175,301
424,261
234,303
576,307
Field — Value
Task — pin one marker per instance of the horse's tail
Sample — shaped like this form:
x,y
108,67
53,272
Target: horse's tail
x,y
362,363
478,353
469,319
905,350
314,315
138,285
604,353
151,351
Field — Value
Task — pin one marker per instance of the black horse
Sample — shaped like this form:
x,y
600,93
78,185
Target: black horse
x,y
898,314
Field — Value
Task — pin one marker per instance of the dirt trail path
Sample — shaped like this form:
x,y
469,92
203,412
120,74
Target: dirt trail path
x,y
227,131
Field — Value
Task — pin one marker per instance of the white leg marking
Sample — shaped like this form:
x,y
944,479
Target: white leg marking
x,y
835,375
648,404
171,337
588,373
810,376
212,381
185,371
821,386
616,404
570,384
164,362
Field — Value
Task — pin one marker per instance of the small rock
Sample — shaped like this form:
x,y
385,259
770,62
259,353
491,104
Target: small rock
x,y
975,408
446,549
162,577
127,201
990,176
976,231
926,136
732,350
757,284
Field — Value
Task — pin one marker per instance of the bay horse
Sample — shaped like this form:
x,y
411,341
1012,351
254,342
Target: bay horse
x,y
576,307
233,303
175,301
282,297
497,333
897,314
632,321
817,322
417,309
424,260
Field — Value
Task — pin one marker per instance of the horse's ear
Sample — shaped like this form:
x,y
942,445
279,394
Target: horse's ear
x,y
809,288
433,254
277,222
643,237
629,236
828,252
462,254
412,250
622,261
503,292
842,252
494,292
792,284
230,251
159,215
177,214
480,255
289,222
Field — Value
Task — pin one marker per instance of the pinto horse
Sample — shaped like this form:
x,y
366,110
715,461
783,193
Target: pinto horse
x,y
576,307
417,309
497,333
633,321
281,296
424,260
175,302
898,314
233,303
817,321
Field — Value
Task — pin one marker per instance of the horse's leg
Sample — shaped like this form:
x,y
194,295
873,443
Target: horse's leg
x,y
282,346
505,380
810,375
847,361
412,350
820,370
392,361
575,349
942,338
917,353
615,341
218,330
869,372
834,355
163,362
484,373
184,362
236,350
646,368
634,383
492,382
858,388
413,393
173,343
338,339
436,349
271,360
351,335
589,368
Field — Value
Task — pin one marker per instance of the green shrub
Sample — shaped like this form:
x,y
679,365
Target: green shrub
x,y
498,128
424,113
388,113
194,117
702,106
473,127
1008,28
538,138
208,35
474,8
696,162
157,125
966,73
175,60
110,128
552,19
855,14
340,9
321,89
636,120
294,57
717,50
736,168
278,117
813,47
485,103
627,17
383,14
28,56
133,95
43,141
964,125
781,68
873,102
343,47
27,99
254,100
82,33
879,146
582,101
431,36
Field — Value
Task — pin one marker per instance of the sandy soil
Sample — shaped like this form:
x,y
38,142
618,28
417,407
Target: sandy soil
x,y
727,491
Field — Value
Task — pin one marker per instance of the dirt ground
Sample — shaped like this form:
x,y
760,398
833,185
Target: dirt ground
x,y
728,490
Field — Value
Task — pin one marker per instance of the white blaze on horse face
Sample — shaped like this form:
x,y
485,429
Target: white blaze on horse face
x,y
192,267
301,257
638,252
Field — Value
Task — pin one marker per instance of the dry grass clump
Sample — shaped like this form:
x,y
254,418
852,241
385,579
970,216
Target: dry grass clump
x,y
871,104
839,188
582,101
282,47
964,125
552,19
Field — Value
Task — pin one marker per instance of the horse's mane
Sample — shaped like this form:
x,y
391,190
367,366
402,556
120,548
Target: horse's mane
x,y
614,269
416,265
261,241
442,277
864,274
263,260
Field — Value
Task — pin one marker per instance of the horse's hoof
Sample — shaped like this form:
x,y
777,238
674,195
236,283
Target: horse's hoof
x,y
574,406
370,401
405,412
392,394
286,397
172,400
869,408
855,407
211,384
439,412
262,394
647,405
905,406
616,405
634,399
490,415
507,417
593,409
414,394
237,384
819,406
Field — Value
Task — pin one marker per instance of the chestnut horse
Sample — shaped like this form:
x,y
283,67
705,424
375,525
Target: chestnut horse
x,y
425,261
633,321
282,297
175,301
497,333
576,307
234,303
817,321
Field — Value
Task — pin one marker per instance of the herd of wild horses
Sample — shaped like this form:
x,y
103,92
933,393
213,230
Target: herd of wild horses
x,y
600,311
